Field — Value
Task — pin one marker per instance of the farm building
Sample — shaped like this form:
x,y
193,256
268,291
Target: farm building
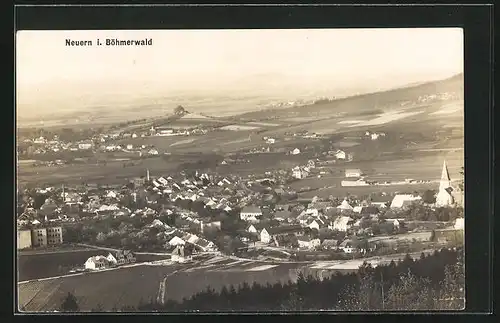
x,y
251,213
353,172
296,151
403,200
96,263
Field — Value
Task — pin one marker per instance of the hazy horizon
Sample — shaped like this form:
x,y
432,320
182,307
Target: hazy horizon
x,y
53,79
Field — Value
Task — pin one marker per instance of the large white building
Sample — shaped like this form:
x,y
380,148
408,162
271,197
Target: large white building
x,y
251,213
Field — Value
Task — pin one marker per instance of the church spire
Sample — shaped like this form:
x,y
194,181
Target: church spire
x,y
445,177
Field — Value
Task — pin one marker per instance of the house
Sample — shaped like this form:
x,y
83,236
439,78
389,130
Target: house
x,y
206,225
175,241
353,172
459,224
96,263
339,154
111,194
345,207
403,200
329,244
121,257
23,239
306,242
251,213
84,145
251,229
296,151
316,224
267,235
309,213
270,141
283,216
369,211
299,173
206,245
153,152
348,246
180,254
342,223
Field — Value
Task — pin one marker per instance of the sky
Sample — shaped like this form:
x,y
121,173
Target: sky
x,y
226,62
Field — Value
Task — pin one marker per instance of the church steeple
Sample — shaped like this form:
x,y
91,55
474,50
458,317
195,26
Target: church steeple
x,y
445,177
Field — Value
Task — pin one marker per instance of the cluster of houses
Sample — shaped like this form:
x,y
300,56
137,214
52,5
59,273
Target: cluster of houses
x,y
153,196
318,216
42,145
118,258
438,97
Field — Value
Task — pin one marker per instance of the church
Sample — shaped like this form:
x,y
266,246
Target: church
x,y
444,197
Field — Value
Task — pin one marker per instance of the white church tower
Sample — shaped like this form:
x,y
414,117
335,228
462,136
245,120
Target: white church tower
x,y
444,197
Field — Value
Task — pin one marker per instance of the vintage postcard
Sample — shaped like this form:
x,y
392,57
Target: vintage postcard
x,y
240,170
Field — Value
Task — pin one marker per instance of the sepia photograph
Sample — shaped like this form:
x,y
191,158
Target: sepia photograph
x,y
240,170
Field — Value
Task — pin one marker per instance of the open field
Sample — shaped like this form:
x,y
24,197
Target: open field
x,y
114,288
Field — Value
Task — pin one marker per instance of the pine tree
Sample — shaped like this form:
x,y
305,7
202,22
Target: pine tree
x,y
70,304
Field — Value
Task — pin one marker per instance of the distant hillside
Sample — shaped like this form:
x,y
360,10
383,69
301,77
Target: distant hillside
x,y
369,101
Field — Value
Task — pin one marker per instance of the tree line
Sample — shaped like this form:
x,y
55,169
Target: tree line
x,y
433,282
